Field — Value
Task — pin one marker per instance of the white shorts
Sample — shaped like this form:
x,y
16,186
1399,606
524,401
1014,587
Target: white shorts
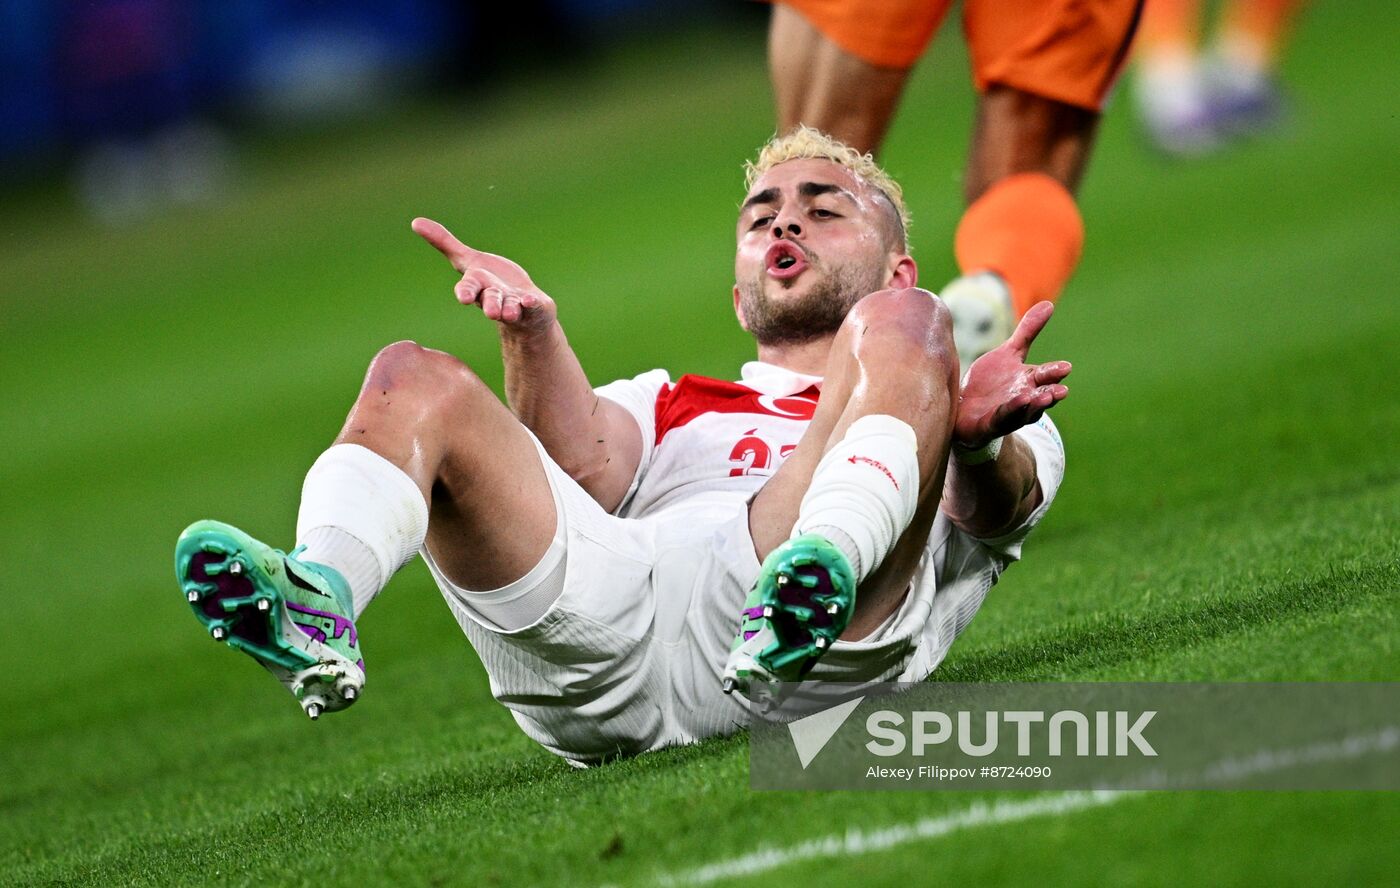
x,y
628,658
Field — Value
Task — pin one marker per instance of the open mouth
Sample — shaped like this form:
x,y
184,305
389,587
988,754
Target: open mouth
x,y
785,260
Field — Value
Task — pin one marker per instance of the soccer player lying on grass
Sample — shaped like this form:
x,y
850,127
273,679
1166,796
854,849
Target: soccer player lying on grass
x,y
596,546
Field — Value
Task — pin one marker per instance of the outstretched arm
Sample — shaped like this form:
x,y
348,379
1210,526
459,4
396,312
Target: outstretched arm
x,y
596,441
1001,393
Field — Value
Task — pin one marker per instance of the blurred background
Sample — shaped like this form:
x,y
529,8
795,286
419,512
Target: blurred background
x,y
204,212
144,100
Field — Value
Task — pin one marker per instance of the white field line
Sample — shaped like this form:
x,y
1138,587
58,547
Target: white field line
x,y
857,841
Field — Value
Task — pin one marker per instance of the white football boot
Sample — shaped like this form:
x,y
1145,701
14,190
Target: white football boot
x,y
982,314
1174,109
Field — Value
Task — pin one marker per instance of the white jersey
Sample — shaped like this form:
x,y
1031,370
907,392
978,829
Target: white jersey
x,y
708,443
628,658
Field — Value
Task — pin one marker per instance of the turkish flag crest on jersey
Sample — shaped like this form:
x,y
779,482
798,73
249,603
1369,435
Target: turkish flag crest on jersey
x,y
693,396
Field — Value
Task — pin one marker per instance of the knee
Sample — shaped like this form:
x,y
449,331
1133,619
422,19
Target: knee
x,y
407,369
909,326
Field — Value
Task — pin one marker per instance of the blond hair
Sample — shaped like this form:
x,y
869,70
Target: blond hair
x,y
807,143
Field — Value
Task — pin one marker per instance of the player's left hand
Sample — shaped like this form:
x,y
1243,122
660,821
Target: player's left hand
x,y
502,288
1002,393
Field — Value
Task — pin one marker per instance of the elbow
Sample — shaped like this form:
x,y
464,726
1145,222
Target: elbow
x,y
1029,503
585,468
986,514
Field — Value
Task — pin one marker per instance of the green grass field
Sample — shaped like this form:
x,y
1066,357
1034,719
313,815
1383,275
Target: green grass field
x,y
1231,510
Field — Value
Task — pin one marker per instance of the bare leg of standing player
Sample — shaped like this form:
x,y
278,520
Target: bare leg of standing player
x,y
1020,238
822,85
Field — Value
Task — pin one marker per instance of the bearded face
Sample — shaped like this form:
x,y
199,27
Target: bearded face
x,y
793,315
813,239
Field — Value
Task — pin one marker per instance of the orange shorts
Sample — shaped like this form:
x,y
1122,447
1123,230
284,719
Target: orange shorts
x,y
1067,50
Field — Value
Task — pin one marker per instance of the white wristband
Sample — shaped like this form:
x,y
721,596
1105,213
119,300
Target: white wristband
x,y
984,454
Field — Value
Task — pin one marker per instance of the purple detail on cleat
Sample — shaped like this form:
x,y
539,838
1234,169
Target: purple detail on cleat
x,y
313,631
798,594
342,625
361,664
227,586
791,632
751,613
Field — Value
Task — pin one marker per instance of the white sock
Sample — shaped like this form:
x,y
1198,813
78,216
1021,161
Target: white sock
x,y
361,515
353,559
864,491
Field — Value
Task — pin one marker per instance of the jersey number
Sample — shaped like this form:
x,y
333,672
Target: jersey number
x,y
753,453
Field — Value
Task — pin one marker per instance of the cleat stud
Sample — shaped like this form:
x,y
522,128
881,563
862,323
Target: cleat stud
x,y
264,605
728,685
832,608
218,632
768,611
783,579
350,694
235,568
822,643
192,596
313,711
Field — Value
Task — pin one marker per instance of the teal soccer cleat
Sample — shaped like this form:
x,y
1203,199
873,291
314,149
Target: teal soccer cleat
x,y
294,617
799,606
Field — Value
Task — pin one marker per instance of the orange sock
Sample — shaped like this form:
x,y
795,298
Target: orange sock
x,y
1252,31
1169,28
1026,228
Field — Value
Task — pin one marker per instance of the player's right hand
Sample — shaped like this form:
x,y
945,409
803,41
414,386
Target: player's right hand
x,y
502,289
1002,392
